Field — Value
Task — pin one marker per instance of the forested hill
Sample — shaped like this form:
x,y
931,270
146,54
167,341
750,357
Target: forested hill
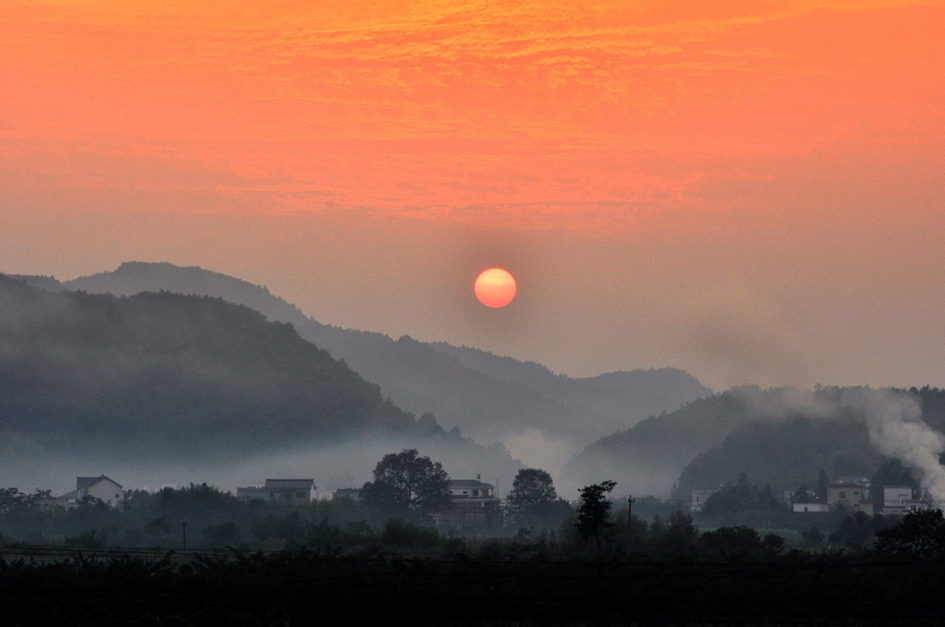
x,y
618,398
162,374
484,395
780,436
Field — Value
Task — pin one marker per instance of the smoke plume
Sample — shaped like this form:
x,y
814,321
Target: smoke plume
x,y
896,428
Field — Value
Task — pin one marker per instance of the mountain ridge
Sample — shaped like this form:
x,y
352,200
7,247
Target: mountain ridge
x,y
488,396
187,387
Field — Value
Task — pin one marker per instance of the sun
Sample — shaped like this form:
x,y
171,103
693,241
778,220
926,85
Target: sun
x,y
495,288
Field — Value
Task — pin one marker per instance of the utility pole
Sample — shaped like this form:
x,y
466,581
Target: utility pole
x,y
630,500
183,527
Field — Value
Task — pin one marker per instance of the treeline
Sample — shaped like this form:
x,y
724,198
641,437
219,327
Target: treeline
x,y
200,517
895,583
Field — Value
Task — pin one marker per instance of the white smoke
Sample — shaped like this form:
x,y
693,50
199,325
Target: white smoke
x,y
894,420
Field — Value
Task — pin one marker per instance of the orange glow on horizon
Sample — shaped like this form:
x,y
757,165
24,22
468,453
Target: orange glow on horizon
x,y
535,115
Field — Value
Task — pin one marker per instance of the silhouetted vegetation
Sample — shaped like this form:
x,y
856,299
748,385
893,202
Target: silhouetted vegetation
x,y
408,484
785,453
415,575
533,502
743,502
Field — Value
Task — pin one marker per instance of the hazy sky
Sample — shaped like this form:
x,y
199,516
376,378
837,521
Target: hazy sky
x,y
753,191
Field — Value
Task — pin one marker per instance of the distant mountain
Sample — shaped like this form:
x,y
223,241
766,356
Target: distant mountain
x,y
780,436
648,457
171,375
136,277
159,377
486,396
48,283
617,399
785,454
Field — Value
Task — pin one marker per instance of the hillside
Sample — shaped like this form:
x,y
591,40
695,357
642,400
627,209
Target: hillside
x,y
167,374
170,388
780,436
486,396
785,454
617,399
648,457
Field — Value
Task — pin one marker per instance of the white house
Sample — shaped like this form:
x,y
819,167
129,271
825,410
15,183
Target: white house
x,y
100,487
812,506
895,498
472,499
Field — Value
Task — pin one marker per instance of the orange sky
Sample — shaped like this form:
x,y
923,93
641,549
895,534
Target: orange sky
x,y
748,190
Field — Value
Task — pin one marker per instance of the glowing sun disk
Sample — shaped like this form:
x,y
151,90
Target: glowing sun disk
x,y
495,288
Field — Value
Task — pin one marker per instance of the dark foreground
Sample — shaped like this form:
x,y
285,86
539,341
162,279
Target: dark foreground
x,y
306,588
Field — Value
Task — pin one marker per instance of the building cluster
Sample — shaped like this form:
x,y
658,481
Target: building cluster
x,y
847,493
470,499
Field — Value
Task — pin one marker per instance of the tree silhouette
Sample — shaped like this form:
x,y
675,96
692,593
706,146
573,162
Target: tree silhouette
x,y
533,499
594,512
407,484
920,534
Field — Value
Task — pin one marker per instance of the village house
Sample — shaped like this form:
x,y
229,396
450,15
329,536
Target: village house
x,y
471,499
850,493
353,494
805,501
289,491
699,497
899,499
807,507
100,487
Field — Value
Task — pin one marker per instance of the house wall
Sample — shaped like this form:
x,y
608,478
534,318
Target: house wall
x,y
107,491
811,507
896,496
699,497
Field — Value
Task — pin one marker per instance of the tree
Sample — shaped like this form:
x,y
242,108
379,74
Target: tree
x,y
920,534
680,533
742,499
857,530
740,543
594,511
408,484
533,500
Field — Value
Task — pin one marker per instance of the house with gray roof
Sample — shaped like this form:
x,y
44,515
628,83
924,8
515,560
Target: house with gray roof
x,y
101,487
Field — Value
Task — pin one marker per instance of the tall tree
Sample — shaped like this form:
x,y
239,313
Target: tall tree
x,y
533,497
408,484
594,512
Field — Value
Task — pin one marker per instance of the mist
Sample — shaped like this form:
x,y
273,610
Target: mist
x,y
349,464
